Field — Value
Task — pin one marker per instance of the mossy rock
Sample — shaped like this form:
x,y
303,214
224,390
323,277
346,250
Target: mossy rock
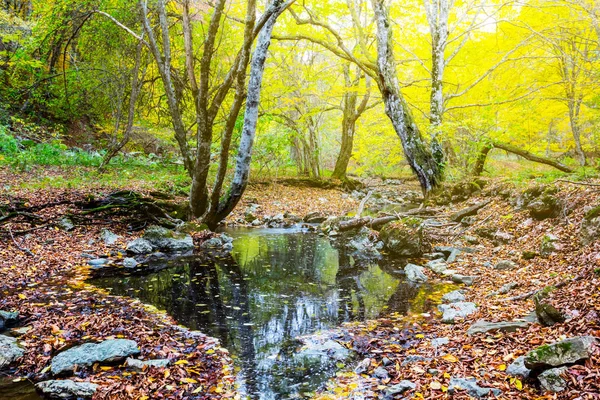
x,y
568,351
403,238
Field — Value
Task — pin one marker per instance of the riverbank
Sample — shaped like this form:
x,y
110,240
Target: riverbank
x,y
511,256
45,270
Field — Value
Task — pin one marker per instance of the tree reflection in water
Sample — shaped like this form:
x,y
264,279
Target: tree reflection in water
x,y
276,286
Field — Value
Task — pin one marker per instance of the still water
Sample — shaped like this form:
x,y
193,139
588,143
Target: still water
x,y
276,285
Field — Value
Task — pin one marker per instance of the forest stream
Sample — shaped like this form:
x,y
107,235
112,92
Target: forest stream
x,y
278,285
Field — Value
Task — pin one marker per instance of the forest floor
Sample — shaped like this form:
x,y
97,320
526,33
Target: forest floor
x,y
43,278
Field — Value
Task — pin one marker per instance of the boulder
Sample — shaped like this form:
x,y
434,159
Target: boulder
x,y
139,246
461,309
567,351
108,237
552,381
67,389
437,266
517,368
141,364
403,238
399,388
8,319
66,224
546,313
365,244
9,351
90,353
472,388
166,240
483,326
549,245
501,237
439,342
453,297
129,262
508,287
540,201
464,279
381,373
315,217
414,273
411,359
363,366
505,265
453,255
590,226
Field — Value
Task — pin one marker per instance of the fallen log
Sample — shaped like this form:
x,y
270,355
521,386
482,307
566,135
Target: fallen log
x,y
467,212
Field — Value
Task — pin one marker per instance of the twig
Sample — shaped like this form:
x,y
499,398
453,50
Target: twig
x,y
361,206
24,250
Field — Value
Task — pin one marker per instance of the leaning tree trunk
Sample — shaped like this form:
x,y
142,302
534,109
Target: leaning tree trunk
x,y
574,108
244,156
481,158
425,162
348,130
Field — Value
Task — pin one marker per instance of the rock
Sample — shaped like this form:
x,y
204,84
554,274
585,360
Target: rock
x,y
411,359
437,266
546,313
139,246
108,237
483,326
8,319
90,353
467,280
508,287
567,351
505,265
66,389
66,224
414,273
454,297
129,262
440,342
365,244
528,255
503,237
98,262
399,388
167,240
452,311
9,351
140,364
552,381
518,368
363,366
327,351
381,373
434,256
315,217
386,361
403,238
544,207
590,226
471,239
471,386
18,332
453,255
549,245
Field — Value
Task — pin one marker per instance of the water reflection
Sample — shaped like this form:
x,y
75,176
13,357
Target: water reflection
x,y
277,285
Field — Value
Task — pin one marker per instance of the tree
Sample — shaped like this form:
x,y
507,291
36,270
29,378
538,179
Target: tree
x,y
425,161
351,112
208,100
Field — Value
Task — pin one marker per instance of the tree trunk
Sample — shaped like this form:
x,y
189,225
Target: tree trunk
x,y
244,157
481,158
574,107
425,162
136,88
479,164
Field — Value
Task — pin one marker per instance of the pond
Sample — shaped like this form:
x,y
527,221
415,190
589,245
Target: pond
x,y
277,284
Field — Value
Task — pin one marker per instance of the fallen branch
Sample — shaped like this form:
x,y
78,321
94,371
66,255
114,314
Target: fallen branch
x,y
361,206
467,212
24,250
578,183
534,292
